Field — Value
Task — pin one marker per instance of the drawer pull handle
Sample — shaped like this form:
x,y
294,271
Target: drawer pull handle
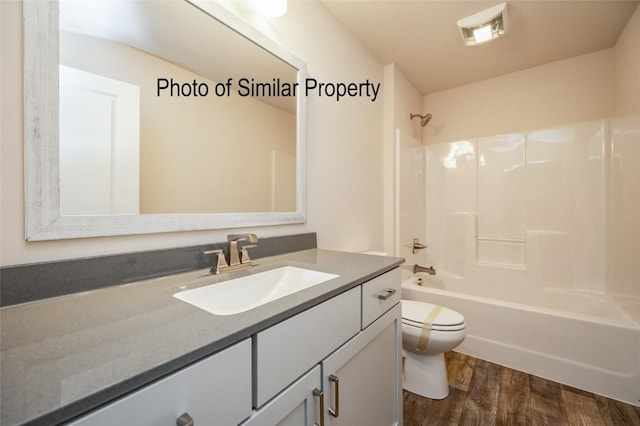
x,y
336,412
387,293
317,392
184,420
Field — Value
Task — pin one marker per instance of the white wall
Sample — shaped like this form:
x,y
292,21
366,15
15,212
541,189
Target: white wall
x,y
344,148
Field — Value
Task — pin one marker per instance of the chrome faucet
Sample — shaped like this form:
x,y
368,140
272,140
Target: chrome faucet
x,y
430,270
237,260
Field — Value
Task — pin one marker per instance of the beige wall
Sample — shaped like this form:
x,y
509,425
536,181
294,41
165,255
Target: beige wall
x,y
192,147
344,148
569,91
627,68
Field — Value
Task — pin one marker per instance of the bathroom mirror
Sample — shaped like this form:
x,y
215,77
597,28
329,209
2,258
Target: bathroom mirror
x,y
131,128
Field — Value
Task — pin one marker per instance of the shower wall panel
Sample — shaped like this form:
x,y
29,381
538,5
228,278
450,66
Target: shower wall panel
x,y
565,194
501,187
536,201
500,202
451,192
624,213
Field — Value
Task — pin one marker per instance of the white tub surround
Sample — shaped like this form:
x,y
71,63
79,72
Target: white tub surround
x,y
532,235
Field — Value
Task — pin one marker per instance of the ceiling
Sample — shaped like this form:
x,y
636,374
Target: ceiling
x,y
421,36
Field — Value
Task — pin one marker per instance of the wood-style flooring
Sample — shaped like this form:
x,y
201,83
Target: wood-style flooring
x,y
483,393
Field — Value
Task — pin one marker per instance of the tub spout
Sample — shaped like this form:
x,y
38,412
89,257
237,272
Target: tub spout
x,y
430,270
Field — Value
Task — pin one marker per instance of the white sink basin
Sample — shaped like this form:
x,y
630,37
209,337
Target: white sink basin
x,y
248,292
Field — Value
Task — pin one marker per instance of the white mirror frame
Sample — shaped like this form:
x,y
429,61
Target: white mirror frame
x,y
41,142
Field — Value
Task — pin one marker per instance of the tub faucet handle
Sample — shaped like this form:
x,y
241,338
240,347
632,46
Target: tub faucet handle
x,y
417,245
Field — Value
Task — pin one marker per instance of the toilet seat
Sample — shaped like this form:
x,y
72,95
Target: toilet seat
x,y
414,314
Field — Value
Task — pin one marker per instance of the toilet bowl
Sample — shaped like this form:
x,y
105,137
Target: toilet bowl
x,y
428,331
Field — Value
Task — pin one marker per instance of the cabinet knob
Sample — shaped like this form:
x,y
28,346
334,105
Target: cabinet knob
x,y
184,420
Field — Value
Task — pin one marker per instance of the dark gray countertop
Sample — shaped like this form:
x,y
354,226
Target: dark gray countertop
x,y
65,356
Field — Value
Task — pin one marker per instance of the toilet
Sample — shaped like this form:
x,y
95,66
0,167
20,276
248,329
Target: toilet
x,y
428,331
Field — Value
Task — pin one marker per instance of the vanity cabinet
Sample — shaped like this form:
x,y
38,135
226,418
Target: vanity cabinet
x,y
356,338
216,390
336,363
359,384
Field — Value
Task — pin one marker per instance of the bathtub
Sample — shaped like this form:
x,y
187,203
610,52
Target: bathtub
x,y
580,339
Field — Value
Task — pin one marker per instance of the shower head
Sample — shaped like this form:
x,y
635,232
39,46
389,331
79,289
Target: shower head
x,y
424,119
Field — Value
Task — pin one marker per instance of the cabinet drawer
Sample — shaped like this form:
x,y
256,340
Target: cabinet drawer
x,y
216,390
288,349
379,295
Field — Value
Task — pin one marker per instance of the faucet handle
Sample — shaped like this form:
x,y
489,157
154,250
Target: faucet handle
x,y
417,245
222,262
245,253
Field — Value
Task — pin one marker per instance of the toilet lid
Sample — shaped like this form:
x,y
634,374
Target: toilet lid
x,y
415,313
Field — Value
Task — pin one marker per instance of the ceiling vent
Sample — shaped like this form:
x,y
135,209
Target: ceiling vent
x,y
484,26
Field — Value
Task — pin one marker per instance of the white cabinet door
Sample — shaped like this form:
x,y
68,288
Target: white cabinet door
x,y
299,405
361,380
215,391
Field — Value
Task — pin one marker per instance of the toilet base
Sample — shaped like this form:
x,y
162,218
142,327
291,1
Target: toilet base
x,y
425,375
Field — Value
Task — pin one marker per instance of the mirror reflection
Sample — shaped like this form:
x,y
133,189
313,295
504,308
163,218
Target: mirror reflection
x,y
165,110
